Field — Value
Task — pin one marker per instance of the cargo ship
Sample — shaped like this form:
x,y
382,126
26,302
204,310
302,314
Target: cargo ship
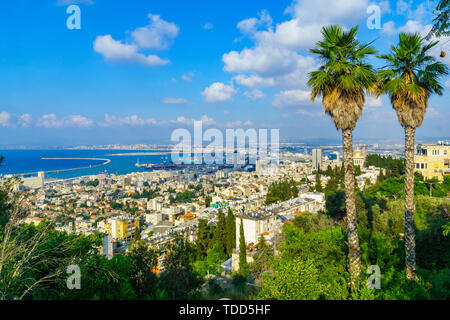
x,y
161,166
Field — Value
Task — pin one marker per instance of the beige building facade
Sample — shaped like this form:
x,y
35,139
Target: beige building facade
x,y
433,160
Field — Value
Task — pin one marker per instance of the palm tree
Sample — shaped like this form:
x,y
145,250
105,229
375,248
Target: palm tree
x,y
441,20
409,78
341,80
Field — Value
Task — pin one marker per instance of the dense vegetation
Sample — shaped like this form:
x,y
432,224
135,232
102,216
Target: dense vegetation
x,y
313,254
282,191
394,167
92,183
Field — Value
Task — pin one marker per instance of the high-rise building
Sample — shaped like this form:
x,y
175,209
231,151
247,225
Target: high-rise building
x,y
235,160
317,158
122,227
108,246
258,166
364,149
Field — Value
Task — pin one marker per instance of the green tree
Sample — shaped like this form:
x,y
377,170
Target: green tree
x,y
220,234
143,260
208,200
212,263
318,186
92,183
409,78
261,259
312,222
341,81
178,279
282,191
292,280
380,177
442,16
230,232
243,266
204,236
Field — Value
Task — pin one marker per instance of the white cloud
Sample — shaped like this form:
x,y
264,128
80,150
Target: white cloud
x,y
25,120
263,60
415,10
325,12
219,92
207,26
113,50
251,25
188,76
274,59
447,84
5,119
207,120
134,121
389,28
373,102
186,121
411,26
291,98
78,121
51,121
433,113
403,6
254,94
385,6
170,100
254,81
238,123
157,35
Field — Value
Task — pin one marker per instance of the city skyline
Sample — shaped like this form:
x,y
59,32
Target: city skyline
x,y
135,72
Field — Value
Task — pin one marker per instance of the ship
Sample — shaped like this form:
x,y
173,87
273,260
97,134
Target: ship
x,y
162,166
166,165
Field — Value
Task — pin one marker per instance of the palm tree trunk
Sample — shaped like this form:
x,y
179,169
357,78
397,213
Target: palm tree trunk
x,y
354,255
410,244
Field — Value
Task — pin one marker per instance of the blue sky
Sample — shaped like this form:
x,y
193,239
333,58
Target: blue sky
x,y
137,70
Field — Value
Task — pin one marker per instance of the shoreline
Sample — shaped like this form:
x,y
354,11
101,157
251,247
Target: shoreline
x,y
105,162
134,154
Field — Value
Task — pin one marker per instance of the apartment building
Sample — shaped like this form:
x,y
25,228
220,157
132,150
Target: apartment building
x,y
433,160
122,227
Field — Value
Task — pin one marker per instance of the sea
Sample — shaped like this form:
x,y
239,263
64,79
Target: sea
x,y
31,161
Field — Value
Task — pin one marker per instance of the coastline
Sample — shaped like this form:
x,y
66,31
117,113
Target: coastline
x,y
105,162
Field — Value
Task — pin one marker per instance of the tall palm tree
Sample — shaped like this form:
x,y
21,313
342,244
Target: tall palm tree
x,y
341,80
409,78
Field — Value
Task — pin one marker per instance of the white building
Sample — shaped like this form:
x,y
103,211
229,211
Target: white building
x,y
255,226
34,182
317,159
